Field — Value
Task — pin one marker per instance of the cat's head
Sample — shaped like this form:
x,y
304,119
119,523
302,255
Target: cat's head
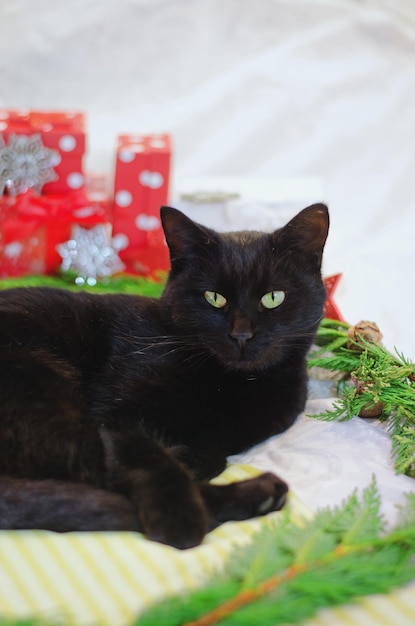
x,y
249,299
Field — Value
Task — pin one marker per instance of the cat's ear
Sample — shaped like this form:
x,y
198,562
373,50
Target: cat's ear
x,y
184,237
306,232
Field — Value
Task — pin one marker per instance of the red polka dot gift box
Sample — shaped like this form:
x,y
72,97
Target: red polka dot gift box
x,y
41,150
141,187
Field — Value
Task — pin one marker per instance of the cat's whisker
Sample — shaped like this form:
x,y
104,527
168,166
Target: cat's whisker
x,y
159,342
197,359
177,348
157,337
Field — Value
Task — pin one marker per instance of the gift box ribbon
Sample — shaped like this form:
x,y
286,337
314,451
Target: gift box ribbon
x,y
36,121
29,212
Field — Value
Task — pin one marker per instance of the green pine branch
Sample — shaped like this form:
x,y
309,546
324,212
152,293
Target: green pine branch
x,y
375,383
291,571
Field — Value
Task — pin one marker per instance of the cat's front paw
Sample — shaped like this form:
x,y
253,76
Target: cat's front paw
x,y
245,499
180,521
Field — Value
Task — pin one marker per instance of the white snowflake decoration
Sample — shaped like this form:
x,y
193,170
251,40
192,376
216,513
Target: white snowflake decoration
x,y
25,163
91,253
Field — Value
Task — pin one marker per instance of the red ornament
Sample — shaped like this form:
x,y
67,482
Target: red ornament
x,y
330,308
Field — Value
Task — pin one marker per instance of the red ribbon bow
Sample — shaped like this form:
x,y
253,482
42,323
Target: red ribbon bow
x,y
29,212
24,215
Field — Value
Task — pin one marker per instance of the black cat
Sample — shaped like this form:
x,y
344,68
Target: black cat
x,y
116,409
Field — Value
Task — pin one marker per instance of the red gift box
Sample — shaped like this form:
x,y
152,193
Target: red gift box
x,y
63,132
141,187
31,227
23,255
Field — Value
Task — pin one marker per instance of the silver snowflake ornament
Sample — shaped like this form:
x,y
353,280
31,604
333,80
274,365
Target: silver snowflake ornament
x,y
91,253
25,163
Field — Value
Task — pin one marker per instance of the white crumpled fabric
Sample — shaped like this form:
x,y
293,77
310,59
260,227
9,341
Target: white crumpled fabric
x,y
324,462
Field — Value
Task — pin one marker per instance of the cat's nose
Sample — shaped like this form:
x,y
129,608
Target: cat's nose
x,y
241,331
242,337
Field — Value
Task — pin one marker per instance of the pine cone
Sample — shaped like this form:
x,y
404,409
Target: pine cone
x,y
372,410
365,330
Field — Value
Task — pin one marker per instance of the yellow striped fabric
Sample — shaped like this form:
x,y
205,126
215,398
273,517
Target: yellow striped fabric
x,y
107,579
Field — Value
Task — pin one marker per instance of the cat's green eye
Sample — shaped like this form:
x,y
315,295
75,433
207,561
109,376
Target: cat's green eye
x,y
215,299
272,299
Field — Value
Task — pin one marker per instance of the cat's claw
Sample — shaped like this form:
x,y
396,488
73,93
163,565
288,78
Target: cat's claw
x,y
272,504
266,506
272,484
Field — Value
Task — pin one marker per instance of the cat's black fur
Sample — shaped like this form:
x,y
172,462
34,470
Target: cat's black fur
x,y
116,409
